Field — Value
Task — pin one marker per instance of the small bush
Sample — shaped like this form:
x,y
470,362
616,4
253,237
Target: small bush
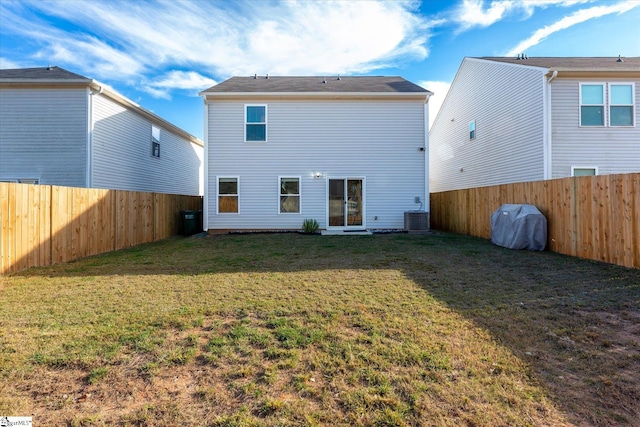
x,y
310,226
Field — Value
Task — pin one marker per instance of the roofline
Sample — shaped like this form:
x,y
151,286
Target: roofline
x,y
567,71
105,90
333,95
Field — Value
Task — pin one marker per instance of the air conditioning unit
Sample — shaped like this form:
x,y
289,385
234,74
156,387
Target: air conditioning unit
x,y
416,221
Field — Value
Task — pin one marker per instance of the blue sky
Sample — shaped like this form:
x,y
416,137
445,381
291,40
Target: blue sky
x,y
161,54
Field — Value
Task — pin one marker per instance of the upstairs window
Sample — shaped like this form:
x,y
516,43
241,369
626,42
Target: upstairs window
x,y
255,123
591,104
472,129
621,104
155,141
289,195
584,170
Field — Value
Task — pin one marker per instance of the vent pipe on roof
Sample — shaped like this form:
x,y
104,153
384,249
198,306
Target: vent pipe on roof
x,y
338,77
267,75
619,59
324,80
255,76
518,58
49,67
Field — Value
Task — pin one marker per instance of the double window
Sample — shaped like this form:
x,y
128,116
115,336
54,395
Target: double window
x,y
607,104
255,123
289,194
228,194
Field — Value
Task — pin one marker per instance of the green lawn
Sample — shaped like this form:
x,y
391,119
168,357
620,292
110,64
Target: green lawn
x,y
289,329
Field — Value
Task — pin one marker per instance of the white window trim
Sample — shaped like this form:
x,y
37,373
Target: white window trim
x,y
632,105
604,104
218,177
573,168
299,178
266,123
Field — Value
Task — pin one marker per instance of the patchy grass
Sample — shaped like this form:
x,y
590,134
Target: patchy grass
x,y
285,329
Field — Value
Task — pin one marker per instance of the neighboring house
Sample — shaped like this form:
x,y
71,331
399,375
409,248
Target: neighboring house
x,y
60,128
349,152
525,119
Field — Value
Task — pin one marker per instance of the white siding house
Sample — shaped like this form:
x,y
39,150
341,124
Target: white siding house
x,y
510,120
349,152
60,128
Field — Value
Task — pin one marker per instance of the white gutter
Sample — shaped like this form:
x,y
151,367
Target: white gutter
x,y
90,129
548,127
205,160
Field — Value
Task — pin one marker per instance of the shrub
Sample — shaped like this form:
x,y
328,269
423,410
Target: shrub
x,y
310,226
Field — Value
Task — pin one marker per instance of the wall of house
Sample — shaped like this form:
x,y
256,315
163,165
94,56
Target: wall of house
x,y
122,153
612,150
43,135
506,102
377,140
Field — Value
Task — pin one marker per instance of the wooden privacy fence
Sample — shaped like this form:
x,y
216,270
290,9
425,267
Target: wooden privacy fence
x,y
43,224
594,217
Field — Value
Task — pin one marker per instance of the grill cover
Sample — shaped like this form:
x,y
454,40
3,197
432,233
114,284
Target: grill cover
x,y
519,227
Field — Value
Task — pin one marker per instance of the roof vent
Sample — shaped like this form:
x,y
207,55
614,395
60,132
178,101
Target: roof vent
x,y
49,67
267,75
255,76
518,58
339,77
619,59
324,80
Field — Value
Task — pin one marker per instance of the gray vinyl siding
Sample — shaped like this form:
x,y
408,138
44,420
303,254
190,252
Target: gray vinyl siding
x,y
376,140
610,149
43,135
506,101
122,157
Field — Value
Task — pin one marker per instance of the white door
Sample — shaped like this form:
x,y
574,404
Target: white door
x,y
346,204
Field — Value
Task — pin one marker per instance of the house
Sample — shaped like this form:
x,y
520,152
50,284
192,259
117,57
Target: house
x,y
524,119
61,128
349,152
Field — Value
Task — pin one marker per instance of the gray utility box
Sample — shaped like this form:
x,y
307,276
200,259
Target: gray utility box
x,y
416,221
519,227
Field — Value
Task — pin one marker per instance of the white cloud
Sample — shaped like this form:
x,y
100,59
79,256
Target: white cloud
x,y
479,13
7,64
569,21
224,38
184,80
439,89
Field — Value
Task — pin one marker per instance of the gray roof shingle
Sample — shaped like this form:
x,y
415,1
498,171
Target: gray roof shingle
x,y
295,84
43,73
574,63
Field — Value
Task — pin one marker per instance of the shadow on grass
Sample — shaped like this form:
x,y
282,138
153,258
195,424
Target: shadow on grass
x,y
575,322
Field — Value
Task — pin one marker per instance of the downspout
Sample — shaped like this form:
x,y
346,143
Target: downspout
x,y
548,127
205,160
427,193
90,135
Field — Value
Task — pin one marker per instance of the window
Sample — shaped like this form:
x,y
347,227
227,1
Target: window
x,y
255,123
621,105
472,129
591,104
289,195
28,180
155,141
228,194
584,171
